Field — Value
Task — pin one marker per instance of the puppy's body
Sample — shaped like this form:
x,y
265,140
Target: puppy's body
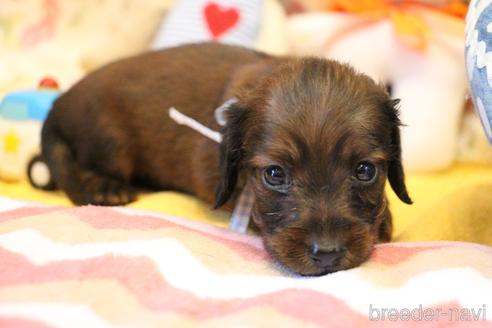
x,y
307,133
112,129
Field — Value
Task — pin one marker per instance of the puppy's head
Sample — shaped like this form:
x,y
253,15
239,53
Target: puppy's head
x,y
318,142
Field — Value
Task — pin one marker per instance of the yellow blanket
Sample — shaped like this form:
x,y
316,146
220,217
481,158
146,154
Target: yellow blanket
x,y
451,205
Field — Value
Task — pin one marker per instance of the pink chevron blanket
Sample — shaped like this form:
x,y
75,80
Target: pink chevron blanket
x,y
102,267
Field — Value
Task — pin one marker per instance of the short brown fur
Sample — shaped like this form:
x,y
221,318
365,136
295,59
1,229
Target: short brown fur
x,y
316,118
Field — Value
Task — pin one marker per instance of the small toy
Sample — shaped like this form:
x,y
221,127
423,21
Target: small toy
x,y
21,117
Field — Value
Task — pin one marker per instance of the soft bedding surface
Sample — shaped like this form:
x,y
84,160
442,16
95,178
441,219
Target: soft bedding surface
x,y
455,204
102,267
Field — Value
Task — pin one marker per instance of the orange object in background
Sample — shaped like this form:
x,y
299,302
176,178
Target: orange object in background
x,y
383,7
408,18
410,28
452,7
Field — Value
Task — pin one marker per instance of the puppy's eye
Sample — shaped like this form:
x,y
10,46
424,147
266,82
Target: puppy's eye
x,y
276,178
365,171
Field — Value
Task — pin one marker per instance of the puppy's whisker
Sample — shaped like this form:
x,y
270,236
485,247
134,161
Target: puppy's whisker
x,y
273,214
382,208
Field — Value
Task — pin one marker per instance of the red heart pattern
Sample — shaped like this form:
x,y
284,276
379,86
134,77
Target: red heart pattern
x,y
220,19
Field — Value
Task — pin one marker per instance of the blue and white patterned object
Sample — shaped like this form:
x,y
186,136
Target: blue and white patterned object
x,y
478,54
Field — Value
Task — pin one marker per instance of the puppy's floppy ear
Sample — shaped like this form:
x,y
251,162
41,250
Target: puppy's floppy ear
x,y
231,152
396,176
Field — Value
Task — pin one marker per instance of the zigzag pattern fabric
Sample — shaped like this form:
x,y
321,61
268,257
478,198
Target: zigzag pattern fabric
x,y
102,267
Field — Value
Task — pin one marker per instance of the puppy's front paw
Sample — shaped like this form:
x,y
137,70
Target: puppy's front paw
x,y
107,191
115,194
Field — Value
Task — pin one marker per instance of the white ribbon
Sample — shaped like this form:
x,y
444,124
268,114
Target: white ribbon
x,y
242,211
182,119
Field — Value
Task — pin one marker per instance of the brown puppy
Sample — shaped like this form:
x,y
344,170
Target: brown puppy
x,y
315,139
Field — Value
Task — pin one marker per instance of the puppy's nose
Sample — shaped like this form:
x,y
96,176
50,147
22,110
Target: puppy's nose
x,y
326,257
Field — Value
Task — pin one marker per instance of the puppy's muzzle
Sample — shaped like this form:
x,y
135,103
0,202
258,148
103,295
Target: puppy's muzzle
x,y
326,258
